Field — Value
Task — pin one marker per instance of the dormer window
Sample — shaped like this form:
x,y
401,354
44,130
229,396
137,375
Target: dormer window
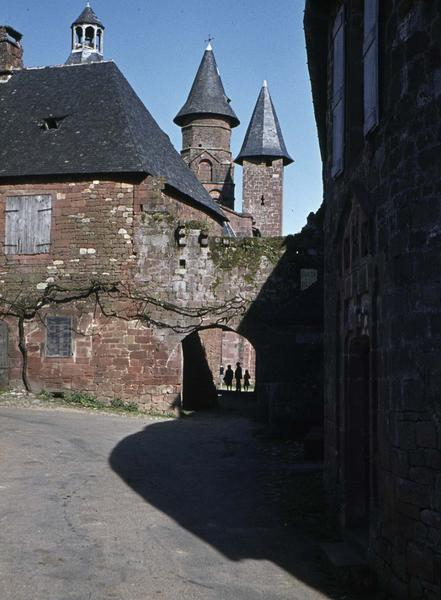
x,y
51,123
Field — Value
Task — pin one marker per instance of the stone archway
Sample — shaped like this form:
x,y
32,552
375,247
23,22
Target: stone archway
x,y
206,353
357,439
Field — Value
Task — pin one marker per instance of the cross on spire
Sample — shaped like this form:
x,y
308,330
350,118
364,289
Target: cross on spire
x,y
208,41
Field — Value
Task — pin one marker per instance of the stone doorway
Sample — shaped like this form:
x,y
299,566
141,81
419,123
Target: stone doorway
x,y
357,439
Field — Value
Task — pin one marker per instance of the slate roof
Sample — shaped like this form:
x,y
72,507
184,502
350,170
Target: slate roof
x,y
264,136
207,95
88,17
85,55
103,128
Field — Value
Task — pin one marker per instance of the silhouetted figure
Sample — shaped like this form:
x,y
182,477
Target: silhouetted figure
x,y
228,378
221,375
238,377
246,380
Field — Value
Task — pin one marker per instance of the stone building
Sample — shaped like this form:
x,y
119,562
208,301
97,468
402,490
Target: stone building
x,y
207,119
117,259
375,72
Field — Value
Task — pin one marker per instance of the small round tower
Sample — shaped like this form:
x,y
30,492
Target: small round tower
x,y
206,120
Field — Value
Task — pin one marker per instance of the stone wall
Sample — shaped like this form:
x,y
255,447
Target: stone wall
x,y
383,290
139,269
263,194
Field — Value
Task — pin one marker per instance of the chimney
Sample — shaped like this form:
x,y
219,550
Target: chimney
x,y
11,52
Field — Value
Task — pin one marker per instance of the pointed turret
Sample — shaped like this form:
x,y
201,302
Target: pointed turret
x,y
264,137
207,95
263,157
206,120
87,38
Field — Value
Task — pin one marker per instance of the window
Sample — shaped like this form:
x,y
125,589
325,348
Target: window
x,y
216,194
78,36
90,37
28,224
50,123
338,93
58,336
205,171
370,65
99,40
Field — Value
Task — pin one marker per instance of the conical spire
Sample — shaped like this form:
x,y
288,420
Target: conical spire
x,y
88,17
207,95
264,137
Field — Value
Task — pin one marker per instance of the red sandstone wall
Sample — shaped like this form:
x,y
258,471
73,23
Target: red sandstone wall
x,y
259,180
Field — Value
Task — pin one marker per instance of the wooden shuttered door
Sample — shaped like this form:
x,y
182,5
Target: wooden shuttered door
x,y
59,336
370,65
338,93
28,224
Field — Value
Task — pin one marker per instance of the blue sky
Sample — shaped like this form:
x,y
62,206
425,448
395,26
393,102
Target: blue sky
x,y
159,44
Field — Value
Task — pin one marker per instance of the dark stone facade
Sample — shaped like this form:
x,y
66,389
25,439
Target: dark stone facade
x,y
263,194
383,291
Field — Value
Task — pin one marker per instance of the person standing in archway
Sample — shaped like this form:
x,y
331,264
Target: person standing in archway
x,y
246,380
228,377
238,377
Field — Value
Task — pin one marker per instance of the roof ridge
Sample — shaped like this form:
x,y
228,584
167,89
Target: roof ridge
x,y
60,66
123,112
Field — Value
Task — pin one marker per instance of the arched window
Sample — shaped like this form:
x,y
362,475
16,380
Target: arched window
x,y
78,36
90,37
216,194
205,171
99,40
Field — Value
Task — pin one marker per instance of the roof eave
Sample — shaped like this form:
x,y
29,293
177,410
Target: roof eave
x,y
287,160
184,118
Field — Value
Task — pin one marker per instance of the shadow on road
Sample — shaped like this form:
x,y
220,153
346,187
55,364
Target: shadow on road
x,y
207,474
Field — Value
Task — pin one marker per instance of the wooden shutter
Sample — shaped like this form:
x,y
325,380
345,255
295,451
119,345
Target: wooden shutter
x,y
28,224
43,217
12,225
370,65
338,93
59,336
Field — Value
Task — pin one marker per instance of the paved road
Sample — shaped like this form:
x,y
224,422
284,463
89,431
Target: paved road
x,y
102,507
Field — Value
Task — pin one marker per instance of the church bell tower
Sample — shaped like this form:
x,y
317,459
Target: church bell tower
x,y
87,38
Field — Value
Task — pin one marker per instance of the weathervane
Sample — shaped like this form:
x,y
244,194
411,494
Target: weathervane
x,y
210,39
